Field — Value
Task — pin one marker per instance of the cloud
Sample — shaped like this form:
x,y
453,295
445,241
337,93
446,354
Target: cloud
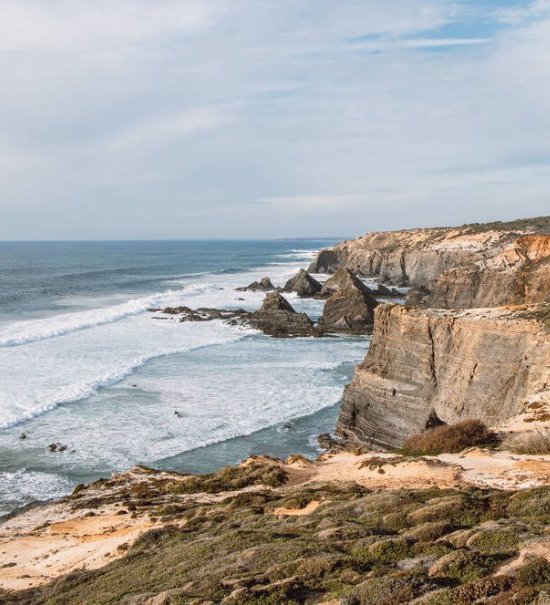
x,y
523,12
260,118
160,131
81,25
418,44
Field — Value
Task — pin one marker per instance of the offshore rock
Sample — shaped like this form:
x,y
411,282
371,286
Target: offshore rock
x,y
427,364
264,285
303,284
277,317
349,307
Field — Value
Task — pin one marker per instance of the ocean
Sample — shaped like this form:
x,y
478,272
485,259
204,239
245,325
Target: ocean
x,y
84,364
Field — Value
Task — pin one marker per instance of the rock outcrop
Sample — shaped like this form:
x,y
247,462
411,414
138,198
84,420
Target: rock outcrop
x,y
349,307
458,264
277,317
264,285
303,284
428,365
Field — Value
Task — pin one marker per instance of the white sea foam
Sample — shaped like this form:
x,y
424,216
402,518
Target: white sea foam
x,y
74,355
22,487
30,331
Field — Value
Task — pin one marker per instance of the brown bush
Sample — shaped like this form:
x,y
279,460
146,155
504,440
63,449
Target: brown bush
x,y
449,438
529,442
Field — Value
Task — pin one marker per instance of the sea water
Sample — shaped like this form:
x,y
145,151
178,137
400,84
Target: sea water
x,y
84,363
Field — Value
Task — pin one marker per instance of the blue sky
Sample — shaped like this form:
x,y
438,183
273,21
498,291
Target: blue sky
x,y
270,118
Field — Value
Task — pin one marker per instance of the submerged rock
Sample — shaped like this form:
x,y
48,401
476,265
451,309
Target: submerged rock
x,y
264,285
349,307
303,284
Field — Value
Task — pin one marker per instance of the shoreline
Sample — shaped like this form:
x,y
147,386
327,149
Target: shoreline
x,y
438,509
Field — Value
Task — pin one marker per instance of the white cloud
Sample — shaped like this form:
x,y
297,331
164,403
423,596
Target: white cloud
x,y
83,25
529,10
418,43
157,132
256,117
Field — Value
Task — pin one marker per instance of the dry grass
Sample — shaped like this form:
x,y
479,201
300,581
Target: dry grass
x,y
449,438
529,442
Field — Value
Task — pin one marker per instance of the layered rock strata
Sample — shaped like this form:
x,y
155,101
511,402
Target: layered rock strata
x,y
462,266
426,366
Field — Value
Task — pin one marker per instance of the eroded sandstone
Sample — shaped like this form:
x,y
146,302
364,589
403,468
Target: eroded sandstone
x,y
427,365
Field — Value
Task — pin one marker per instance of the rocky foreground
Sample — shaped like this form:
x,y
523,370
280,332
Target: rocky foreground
x,y
346,529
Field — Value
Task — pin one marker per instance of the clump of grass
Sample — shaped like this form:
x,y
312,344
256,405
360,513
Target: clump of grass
x,y
532,505
528,442
463,566
390,589
535,571
449,438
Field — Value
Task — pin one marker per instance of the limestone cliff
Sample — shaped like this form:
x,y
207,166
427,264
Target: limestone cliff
x,y
428,365
519,274
466,260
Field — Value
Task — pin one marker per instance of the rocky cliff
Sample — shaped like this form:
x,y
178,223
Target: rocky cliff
x,y
427,366
518,274
474,265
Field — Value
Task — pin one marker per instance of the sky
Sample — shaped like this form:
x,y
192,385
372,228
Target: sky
x,y
163,119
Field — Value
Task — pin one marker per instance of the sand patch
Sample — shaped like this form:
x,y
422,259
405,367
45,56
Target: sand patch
x,y
297,512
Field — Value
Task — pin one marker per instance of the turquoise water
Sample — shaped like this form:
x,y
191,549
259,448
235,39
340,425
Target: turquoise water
x,y
83,363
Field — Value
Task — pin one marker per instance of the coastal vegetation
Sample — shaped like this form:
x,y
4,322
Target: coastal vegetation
x,y
355,545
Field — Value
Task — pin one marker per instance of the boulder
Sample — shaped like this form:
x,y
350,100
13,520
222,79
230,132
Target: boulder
x,y
264,285
349,307
303,284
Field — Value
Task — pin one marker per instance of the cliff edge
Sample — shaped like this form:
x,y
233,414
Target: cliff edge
x,y
474,265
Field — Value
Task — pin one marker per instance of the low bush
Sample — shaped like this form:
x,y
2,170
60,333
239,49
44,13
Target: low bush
x,y
449,438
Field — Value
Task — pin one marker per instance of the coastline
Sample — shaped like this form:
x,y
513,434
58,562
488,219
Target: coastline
x,y
433,535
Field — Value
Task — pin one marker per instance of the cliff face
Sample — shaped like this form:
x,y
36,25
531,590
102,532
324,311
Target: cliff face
x,y
518,274
426,365
471,266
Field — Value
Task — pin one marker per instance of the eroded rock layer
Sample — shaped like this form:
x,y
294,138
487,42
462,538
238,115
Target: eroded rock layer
x,y
474,265
428,365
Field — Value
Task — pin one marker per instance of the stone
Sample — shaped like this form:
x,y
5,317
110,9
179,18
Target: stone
x,y
349,307
263,285
303,284
277,317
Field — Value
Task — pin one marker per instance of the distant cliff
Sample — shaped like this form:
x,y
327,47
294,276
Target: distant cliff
x,y
474,265
427,366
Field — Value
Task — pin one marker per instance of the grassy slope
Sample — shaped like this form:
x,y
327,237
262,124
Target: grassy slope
x,y
379,548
